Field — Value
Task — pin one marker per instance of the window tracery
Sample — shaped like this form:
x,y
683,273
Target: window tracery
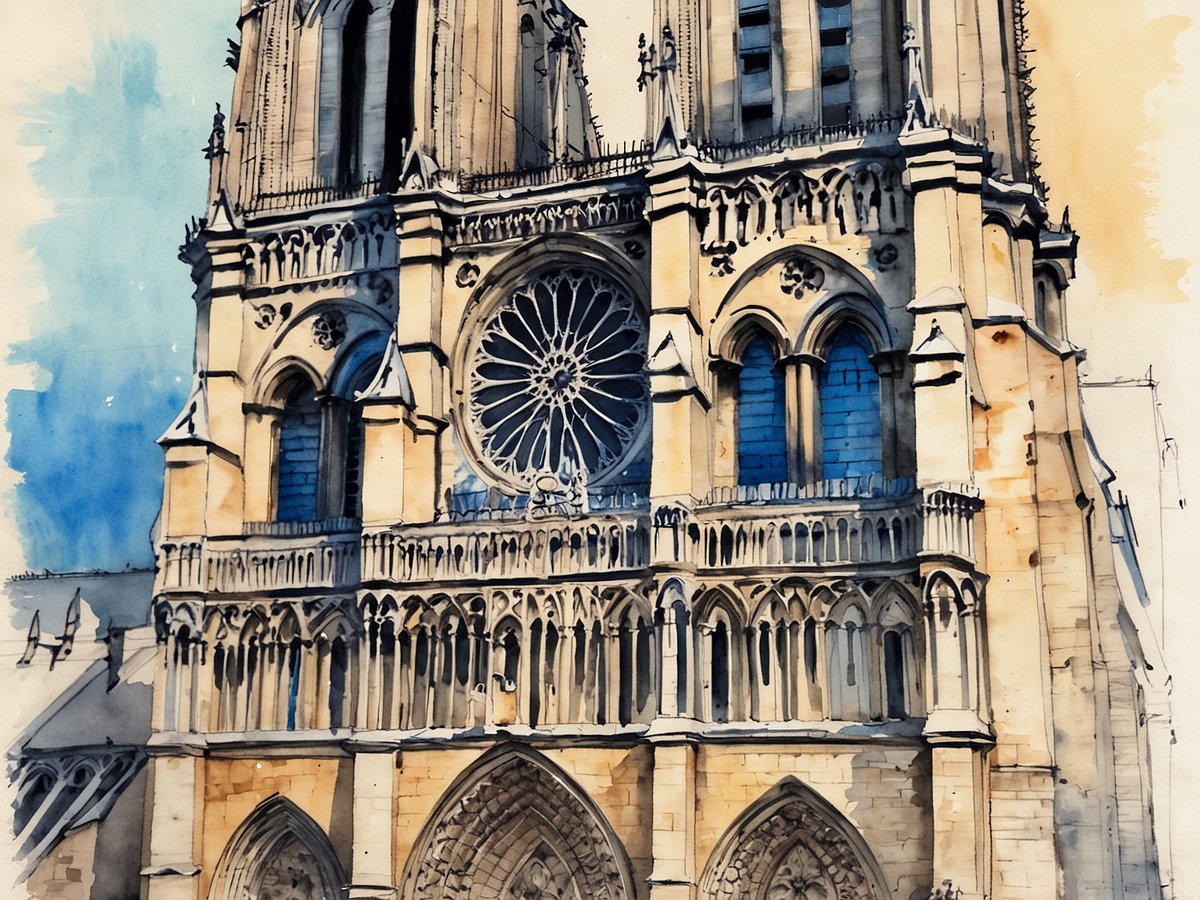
x,y
556,380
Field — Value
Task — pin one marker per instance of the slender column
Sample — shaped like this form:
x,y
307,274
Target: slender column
x,y
808,373
796,410
367,708
161,718
878,693
669,700
822,673
890,368
612,671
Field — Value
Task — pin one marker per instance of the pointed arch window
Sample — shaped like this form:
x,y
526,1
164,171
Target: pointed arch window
x,y
533,147
719,675
762,440
834,19
298,466
353,92
756,91
401,105
894,674
851,424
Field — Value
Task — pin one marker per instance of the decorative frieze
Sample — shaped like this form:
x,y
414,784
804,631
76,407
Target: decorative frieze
x,y
552,217
865,199
321,250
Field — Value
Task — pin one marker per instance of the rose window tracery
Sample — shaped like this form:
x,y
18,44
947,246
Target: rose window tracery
x,y
557,379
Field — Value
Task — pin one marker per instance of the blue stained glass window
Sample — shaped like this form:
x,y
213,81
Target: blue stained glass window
x,y
299,460
851,432
762,418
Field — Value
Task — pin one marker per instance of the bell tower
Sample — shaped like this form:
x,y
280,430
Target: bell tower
x,y
708,518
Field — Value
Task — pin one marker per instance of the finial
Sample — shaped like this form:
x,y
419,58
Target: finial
x,y
668,142
918,106
647,60
216,138
32,639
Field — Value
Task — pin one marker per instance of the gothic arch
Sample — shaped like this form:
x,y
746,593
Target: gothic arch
x,y
854,280
271,382
358,358
744,325
278,840
792,843
512,822
863,311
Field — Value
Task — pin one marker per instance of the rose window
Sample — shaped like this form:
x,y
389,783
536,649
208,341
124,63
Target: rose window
x,y
557,379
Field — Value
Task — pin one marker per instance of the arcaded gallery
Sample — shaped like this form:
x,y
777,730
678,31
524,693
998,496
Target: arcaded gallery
x,y
706,516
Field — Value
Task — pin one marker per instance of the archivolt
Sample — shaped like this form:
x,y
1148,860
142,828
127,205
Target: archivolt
x,y
514,821
278,847
791,843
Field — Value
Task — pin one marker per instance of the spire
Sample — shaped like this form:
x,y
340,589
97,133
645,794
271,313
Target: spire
x,y
71,625
918,107
31,641
663,115
191,425
390,384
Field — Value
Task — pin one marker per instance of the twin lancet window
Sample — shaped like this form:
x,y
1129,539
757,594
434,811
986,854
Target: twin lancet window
x,y
760,84
319,453
848,430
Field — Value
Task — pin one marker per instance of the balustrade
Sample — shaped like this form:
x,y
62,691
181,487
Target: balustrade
x,y
780,530
252,565
842,534
514,550
949,526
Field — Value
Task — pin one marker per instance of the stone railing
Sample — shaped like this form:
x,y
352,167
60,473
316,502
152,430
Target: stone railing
x,y
949,526
820,535
258,564
829,532
508,550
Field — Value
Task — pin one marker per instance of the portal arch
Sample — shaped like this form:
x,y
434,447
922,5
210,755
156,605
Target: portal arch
x,y
792,843
278,848
515,820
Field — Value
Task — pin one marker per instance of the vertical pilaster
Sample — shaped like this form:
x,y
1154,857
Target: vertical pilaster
x,y
959,822
175,799
680,469
673,842
940,167
373,871
419,341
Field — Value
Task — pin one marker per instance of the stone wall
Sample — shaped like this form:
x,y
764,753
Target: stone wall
x,y
66,872
883,791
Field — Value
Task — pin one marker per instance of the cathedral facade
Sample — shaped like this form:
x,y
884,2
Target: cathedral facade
x,y
708,517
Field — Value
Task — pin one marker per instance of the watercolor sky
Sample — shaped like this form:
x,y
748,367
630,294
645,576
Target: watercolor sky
x,y
108,104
